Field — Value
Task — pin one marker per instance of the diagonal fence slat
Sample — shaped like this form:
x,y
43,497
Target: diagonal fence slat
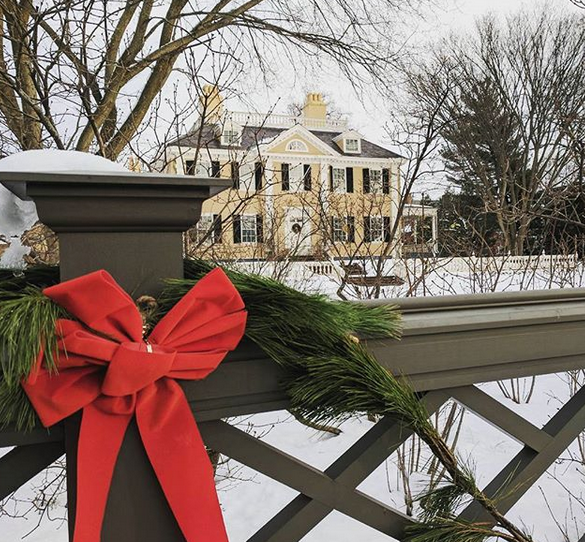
x,y
495,413
303,513
524,470
20,464
288,470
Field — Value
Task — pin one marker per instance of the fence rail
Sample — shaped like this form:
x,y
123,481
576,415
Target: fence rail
x,y
449,345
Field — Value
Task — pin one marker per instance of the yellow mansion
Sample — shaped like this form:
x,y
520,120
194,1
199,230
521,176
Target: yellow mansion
x,y
303,186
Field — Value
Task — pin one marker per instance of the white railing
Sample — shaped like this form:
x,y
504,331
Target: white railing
x,y
493,264
290,272
274,120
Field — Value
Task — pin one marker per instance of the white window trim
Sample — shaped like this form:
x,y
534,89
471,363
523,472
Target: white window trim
x,y
380,238
254,219
296,178
301,144
341,223
380,188
204,224
247,179
342,188
231,130
358,150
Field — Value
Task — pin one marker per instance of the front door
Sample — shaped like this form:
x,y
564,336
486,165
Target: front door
x,y
298,231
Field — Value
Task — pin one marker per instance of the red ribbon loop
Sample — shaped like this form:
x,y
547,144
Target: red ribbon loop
x,y
113,379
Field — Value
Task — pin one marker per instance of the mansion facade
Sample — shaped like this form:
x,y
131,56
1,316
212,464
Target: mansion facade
x,y
303,186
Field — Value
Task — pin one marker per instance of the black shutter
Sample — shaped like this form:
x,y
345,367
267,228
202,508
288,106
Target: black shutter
x,y
215,168
258,175
332,224
386,181
350,229
190,167
331,178
307,177
235,175
386,229
349,179
217,228
237,229
366,179
367,231
259,229
285,177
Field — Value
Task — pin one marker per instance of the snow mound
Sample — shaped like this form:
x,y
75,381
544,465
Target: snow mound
x,y
17,216
51,160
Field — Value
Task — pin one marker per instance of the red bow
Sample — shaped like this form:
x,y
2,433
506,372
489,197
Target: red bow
x,y
113,379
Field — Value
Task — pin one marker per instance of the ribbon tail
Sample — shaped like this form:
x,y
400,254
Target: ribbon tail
x,y
177,453
100,440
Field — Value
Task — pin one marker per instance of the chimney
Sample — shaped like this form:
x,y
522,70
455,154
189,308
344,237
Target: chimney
x,y
211,105
315,107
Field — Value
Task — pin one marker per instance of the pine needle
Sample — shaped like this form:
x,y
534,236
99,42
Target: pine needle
x,y
27,328
452,530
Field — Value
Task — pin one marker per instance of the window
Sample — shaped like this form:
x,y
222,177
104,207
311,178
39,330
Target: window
x,y
352,145
249,230
338,232
417,230
338,181
296,175
297,146
376,181
409,230
376,229
199,169
341,179
376,185
244,176
230,136
208,229
343,229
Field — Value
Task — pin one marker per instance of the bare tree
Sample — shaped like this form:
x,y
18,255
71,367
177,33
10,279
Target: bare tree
x,y
513,103
84,74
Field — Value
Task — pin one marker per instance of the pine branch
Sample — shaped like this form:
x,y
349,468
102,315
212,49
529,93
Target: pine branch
x,y
330,376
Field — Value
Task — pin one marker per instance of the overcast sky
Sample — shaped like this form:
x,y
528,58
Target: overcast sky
x,y
447,16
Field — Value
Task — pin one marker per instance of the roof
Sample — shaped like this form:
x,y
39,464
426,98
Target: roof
x,y
252,136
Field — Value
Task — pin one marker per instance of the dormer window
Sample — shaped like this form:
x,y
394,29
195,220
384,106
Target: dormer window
x,y
350,142
231,134
296,145
352,145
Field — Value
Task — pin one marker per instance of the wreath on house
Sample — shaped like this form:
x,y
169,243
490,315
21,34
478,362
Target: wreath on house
x,y
329,374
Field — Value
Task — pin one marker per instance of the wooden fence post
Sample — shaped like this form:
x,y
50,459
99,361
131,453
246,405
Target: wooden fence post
x,y
131,225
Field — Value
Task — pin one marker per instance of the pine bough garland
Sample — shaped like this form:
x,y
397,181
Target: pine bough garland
x,y
330,376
